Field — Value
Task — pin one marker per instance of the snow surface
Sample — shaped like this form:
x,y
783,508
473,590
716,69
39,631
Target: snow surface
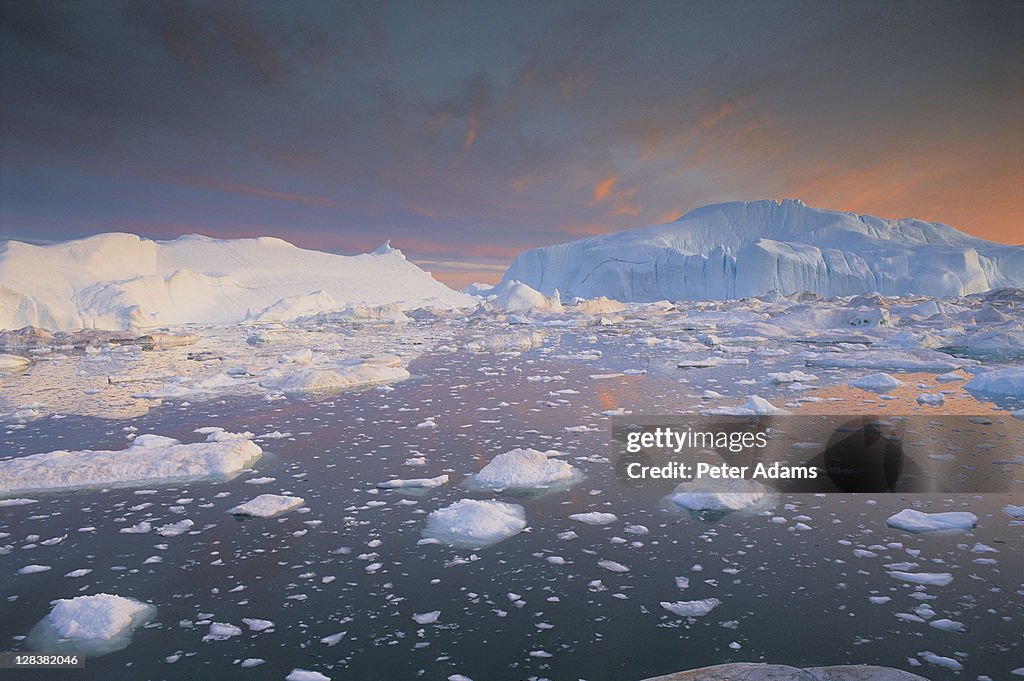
x,y
736,250
524,469
267,505
474,523
122,281
151,459
916,521
92,625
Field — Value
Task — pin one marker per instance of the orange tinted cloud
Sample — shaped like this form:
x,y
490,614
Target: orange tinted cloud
x,y
604,188
264,193
472,128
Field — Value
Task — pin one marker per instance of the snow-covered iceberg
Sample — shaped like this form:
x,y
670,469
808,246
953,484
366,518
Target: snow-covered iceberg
x,y
475,523
151,459
736,250
122,281
524,469
90,625
716,495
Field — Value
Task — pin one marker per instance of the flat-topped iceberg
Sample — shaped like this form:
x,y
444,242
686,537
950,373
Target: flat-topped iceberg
x,y
475,523
149,460
737,250
267,505
524,469
697,608
90,625
716,495
915,521
332,378
123,281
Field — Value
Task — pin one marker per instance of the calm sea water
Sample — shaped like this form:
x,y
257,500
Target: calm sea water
x,y
787,595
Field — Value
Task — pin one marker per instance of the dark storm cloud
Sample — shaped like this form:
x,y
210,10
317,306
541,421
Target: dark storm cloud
x,y
474,130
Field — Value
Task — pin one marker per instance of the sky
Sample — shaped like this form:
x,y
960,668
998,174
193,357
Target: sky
x,y
468,132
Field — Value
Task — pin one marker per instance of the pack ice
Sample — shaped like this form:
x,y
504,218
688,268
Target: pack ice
x,y
123,281
737,250
149,460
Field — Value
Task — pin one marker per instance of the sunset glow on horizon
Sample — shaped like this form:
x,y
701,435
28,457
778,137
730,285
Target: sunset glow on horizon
x,y
467,134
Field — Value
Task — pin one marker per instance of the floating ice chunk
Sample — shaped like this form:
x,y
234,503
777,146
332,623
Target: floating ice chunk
x,y
524,469
879,382
219,631
931,399
150,459
474,523
13,362
940,661
267,505
599,305
333,639
947,625
916,521
513,296
924,578
307,381
17,502
794,376
90,625
612,566
891,360
174,529
691,608
414,482
32,569
1014,511
754,406
1007,382
427,617
506,342
717,495
305,675
257,624
594,518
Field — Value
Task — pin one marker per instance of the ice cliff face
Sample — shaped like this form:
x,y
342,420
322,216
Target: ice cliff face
x,y
122,281
735,250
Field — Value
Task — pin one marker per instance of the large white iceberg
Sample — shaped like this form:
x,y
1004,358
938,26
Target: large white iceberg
x,y
1008,382
736,250
90,625
151,459
122,281
524,469
475,523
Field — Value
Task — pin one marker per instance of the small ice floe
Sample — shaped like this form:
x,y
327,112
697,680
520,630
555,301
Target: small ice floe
x,y
1005,382
175,529
697,608
355,374
219,631
923,578
916,521
32,569
879,382
257,624
150,459
267,505
754,406
90,625
17,502
888,360
931,399
794,376
716,495
519,469
333,639
612,566
594,518
475,523
423,483
1014,511
940,660
507,342
426,617
305,675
